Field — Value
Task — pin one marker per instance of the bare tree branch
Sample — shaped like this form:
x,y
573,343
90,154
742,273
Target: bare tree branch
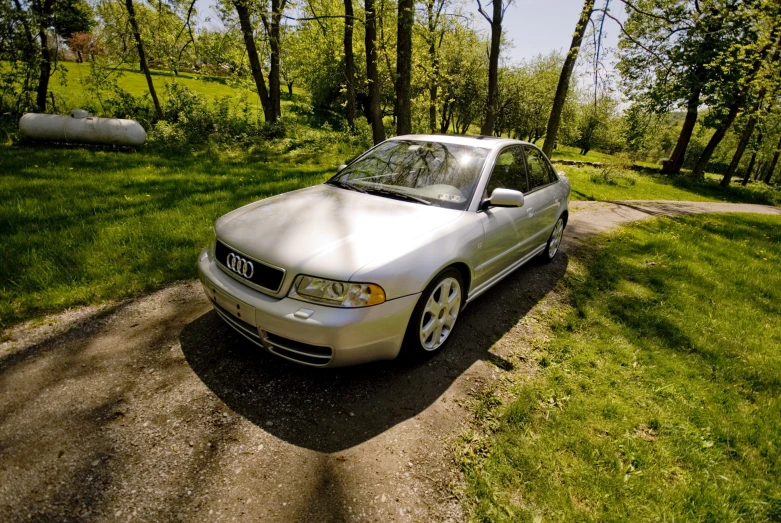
x,y
480,10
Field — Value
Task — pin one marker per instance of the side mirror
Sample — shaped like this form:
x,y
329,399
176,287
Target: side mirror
x,y
562,174
341,168
506,198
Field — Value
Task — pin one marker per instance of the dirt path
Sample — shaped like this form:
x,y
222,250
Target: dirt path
x,y
152,409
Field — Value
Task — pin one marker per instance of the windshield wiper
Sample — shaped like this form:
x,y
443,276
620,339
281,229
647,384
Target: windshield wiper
x,y
345,185
398,195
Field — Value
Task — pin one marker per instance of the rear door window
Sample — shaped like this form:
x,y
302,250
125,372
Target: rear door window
x,y
509,171
540,172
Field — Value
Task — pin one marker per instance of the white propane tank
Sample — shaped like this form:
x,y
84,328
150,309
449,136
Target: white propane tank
x,y
80,127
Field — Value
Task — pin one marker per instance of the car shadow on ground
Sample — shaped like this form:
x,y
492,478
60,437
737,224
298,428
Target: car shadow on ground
x,y
330,410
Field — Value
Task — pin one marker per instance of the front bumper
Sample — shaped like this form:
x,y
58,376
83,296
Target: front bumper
x,y
326,337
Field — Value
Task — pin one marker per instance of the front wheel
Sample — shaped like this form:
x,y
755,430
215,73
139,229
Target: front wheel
x,y
554,241
435,314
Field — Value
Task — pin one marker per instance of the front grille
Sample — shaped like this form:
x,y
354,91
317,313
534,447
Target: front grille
x,y
297,351
263,275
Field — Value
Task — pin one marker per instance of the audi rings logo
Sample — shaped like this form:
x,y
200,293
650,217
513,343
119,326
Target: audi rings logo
x,y
240,266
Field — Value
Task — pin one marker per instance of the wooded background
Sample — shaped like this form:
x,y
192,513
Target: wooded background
x,y
695,85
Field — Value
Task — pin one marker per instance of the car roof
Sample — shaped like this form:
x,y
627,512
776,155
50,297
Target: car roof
x,y
485,142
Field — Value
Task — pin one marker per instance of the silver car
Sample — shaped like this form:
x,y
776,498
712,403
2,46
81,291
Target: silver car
x,y
384,256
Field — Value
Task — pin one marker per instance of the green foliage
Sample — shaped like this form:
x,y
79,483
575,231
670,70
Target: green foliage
x,y
662,394
72,16
526,97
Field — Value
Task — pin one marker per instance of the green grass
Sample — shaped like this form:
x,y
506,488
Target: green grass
x,y
79,226
587,185
566,152
70,90
658,391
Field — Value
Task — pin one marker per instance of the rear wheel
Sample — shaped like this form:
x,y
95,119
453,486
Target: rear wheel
x,y
435,314
554,241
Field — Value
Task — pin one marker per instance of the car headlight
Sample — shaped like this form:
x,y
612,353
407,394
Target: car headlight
x,y
336,293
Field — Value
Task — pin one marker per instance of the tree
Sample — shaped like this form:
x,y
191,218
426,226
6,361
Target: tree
x,y
526,97
406,19
463,78
40,20
739,82
554,121
492,103
349,63
142,57
245,22
372,76
272,25
433,36
82,44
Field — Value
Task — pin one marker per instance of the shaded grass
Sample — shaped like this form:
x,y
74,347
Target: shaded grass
x,y
80,226
660,187
658,395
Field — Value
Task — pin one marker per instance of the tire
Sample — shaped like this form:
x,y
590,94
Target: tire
x,y
554,241
432,315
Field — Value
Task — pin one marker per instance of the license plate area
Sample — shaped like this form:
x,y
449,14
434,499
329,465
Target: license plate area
x,y
242,311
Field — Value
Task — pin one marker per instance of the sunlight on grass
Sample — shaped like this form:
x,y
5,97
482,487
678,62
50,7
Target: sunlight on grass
x,y
659,187
658,392
70,91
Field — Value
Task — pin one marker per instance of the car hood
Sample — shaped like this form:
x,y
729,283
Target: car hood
x,y
327,231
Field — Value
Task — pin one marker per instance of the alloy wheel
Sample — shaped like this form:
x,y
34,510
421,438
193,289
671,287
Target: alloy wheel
x,y
555,238
440,314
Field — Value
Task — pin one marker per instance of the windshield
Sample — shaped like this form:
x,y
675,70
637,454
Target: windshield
x,y
440,174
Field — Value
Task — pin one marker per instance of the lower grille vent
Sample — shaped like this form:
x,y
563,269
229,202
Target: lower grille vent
x,y
295,350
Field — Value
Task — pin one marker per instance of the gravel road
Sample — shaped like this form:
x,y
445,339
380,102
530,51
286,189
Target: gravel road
x,y
152,409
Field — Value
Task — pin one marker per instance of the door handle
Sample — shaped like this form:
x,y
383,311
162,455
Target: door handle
x,y
530,211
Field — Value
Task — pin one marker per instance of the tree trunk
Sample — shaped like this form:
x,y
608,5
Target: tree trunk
x,y
433,82
252,53
750,168
554,121
142,57
447,115
742,143
290,88
773,163
404,25
746,136
492,103
674,164
349,62
721,130
375,109
274,84
45,73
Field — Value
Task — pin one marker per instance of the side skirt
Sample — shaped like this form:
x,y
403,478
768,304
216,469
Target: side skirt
x,y
499,277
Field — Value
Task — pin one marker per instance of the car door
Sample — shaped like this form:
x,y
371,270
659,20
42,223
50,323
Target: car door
x,y
543,200
507,229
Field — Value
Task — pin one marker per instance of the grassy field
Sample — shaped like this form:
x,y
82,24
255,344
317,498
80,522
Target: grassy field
x,y
81,226
588,183
70,90
657,395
